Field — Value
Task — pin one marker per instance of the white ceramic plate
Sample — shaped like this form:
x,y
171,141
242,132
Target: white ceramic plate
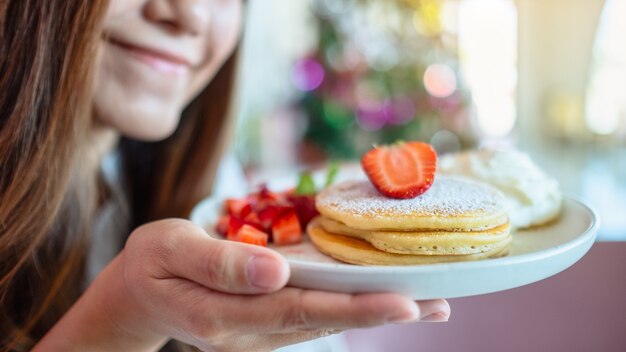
x,y
534,255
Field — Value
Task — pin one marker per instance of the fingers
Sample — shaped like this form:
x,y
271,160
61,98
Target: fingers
x,y
291,310
436,310
282,340
266,343
202,286
184,250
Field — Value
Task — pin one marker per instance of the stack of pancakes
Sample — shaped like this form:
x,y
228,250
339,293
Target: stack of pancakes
x,y
457,219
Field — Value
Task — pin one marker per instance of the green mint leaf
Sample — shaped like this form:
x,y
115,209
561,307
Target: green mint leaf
x,y
331,174
306,186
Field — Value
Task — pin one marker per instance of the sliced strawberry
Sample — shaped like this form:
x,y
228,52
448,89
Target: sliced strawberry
x,y
251,235
233,227
401,170
222,225
286,229
239,207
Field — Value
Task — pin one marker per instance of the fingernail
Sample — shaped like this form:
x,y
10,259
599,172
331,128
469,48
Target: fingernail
x,y
434,311
438,317
406,316
262,273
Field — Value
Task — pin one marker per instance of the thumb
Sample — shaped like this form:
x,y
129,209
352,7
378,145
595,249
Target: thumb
x,y
224,266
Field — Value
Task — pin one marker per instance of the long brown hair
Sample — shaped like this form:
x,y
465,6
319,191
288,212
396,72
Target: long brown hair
x,y
47,196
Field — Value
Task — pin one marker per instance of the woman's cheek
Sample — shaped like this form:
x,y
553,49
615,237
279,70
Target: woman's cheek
x,y
134,111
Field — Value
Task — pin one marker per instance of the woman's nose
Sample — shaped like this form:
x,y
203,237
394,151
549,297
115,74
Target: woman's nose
x,y
179,16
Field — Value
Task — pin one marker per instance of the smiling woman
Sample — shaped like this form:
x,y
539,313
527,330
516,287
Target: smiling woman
x,y
157,57
149,81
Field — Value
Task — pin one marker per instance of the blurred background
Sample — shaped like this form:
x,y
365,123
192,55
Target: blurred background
x,y
325,79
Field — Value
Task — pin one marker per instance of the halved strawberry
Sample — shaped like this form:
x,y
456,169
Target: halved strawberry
x,y
251,235
401,170
286,229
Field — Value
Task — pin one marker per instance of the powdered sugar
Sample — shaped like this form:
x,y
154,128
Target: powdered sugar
x,y
448,196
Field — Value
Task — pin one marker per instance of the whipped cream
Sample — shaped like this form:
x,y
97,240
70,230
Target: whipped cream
x,y
532,197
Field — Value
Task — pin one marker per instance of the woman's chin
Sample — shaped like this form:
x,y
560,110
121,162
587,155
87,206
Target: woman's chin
x,y
151,133
149,136
146,128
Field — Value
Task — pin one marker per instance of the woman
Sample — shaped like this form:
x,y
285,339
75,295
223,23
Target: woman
x,y
149,79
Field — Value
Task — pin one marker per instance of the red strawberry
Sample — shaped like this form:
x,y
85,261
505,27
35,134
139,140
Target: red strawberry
x,y
233,228
251,235
267,195
252,219
401,170
239,207
305,207
286,229
222,225
270,212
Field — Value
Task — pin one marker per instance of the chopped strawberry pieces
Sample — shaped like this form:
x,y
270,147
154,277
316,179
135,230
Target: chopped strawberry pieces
x,y
238,207
305,207
279,216
222,225
286,229
267,216
401,170
266,194
249,234
269,213
252,219
233,227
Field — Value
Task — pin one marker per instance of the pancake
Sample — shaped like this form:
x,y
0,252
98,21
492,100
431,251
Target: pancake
x,y
355,251
425,242
451,204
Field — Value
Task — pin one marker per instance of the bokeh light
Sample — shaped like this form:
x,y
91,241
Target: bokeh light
x,y
426,18
307,74
334,7
439,80
371,115
445,141
400,111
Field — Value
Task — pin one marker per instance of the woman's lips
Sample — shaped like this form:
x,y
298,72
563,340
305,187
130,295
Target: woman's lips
x,y
159,60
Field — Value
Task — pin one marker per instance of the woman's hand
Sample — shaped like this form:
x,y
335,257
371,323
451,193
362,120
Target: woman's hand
x,y
174,281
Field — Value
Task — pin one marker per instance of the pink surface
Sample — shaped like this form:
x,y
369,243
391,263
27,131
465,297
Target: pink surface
x,y
580,309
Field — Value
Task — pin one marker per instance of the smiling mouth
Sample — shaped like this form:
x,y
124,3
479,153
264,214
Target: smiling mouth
x,y
160,61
